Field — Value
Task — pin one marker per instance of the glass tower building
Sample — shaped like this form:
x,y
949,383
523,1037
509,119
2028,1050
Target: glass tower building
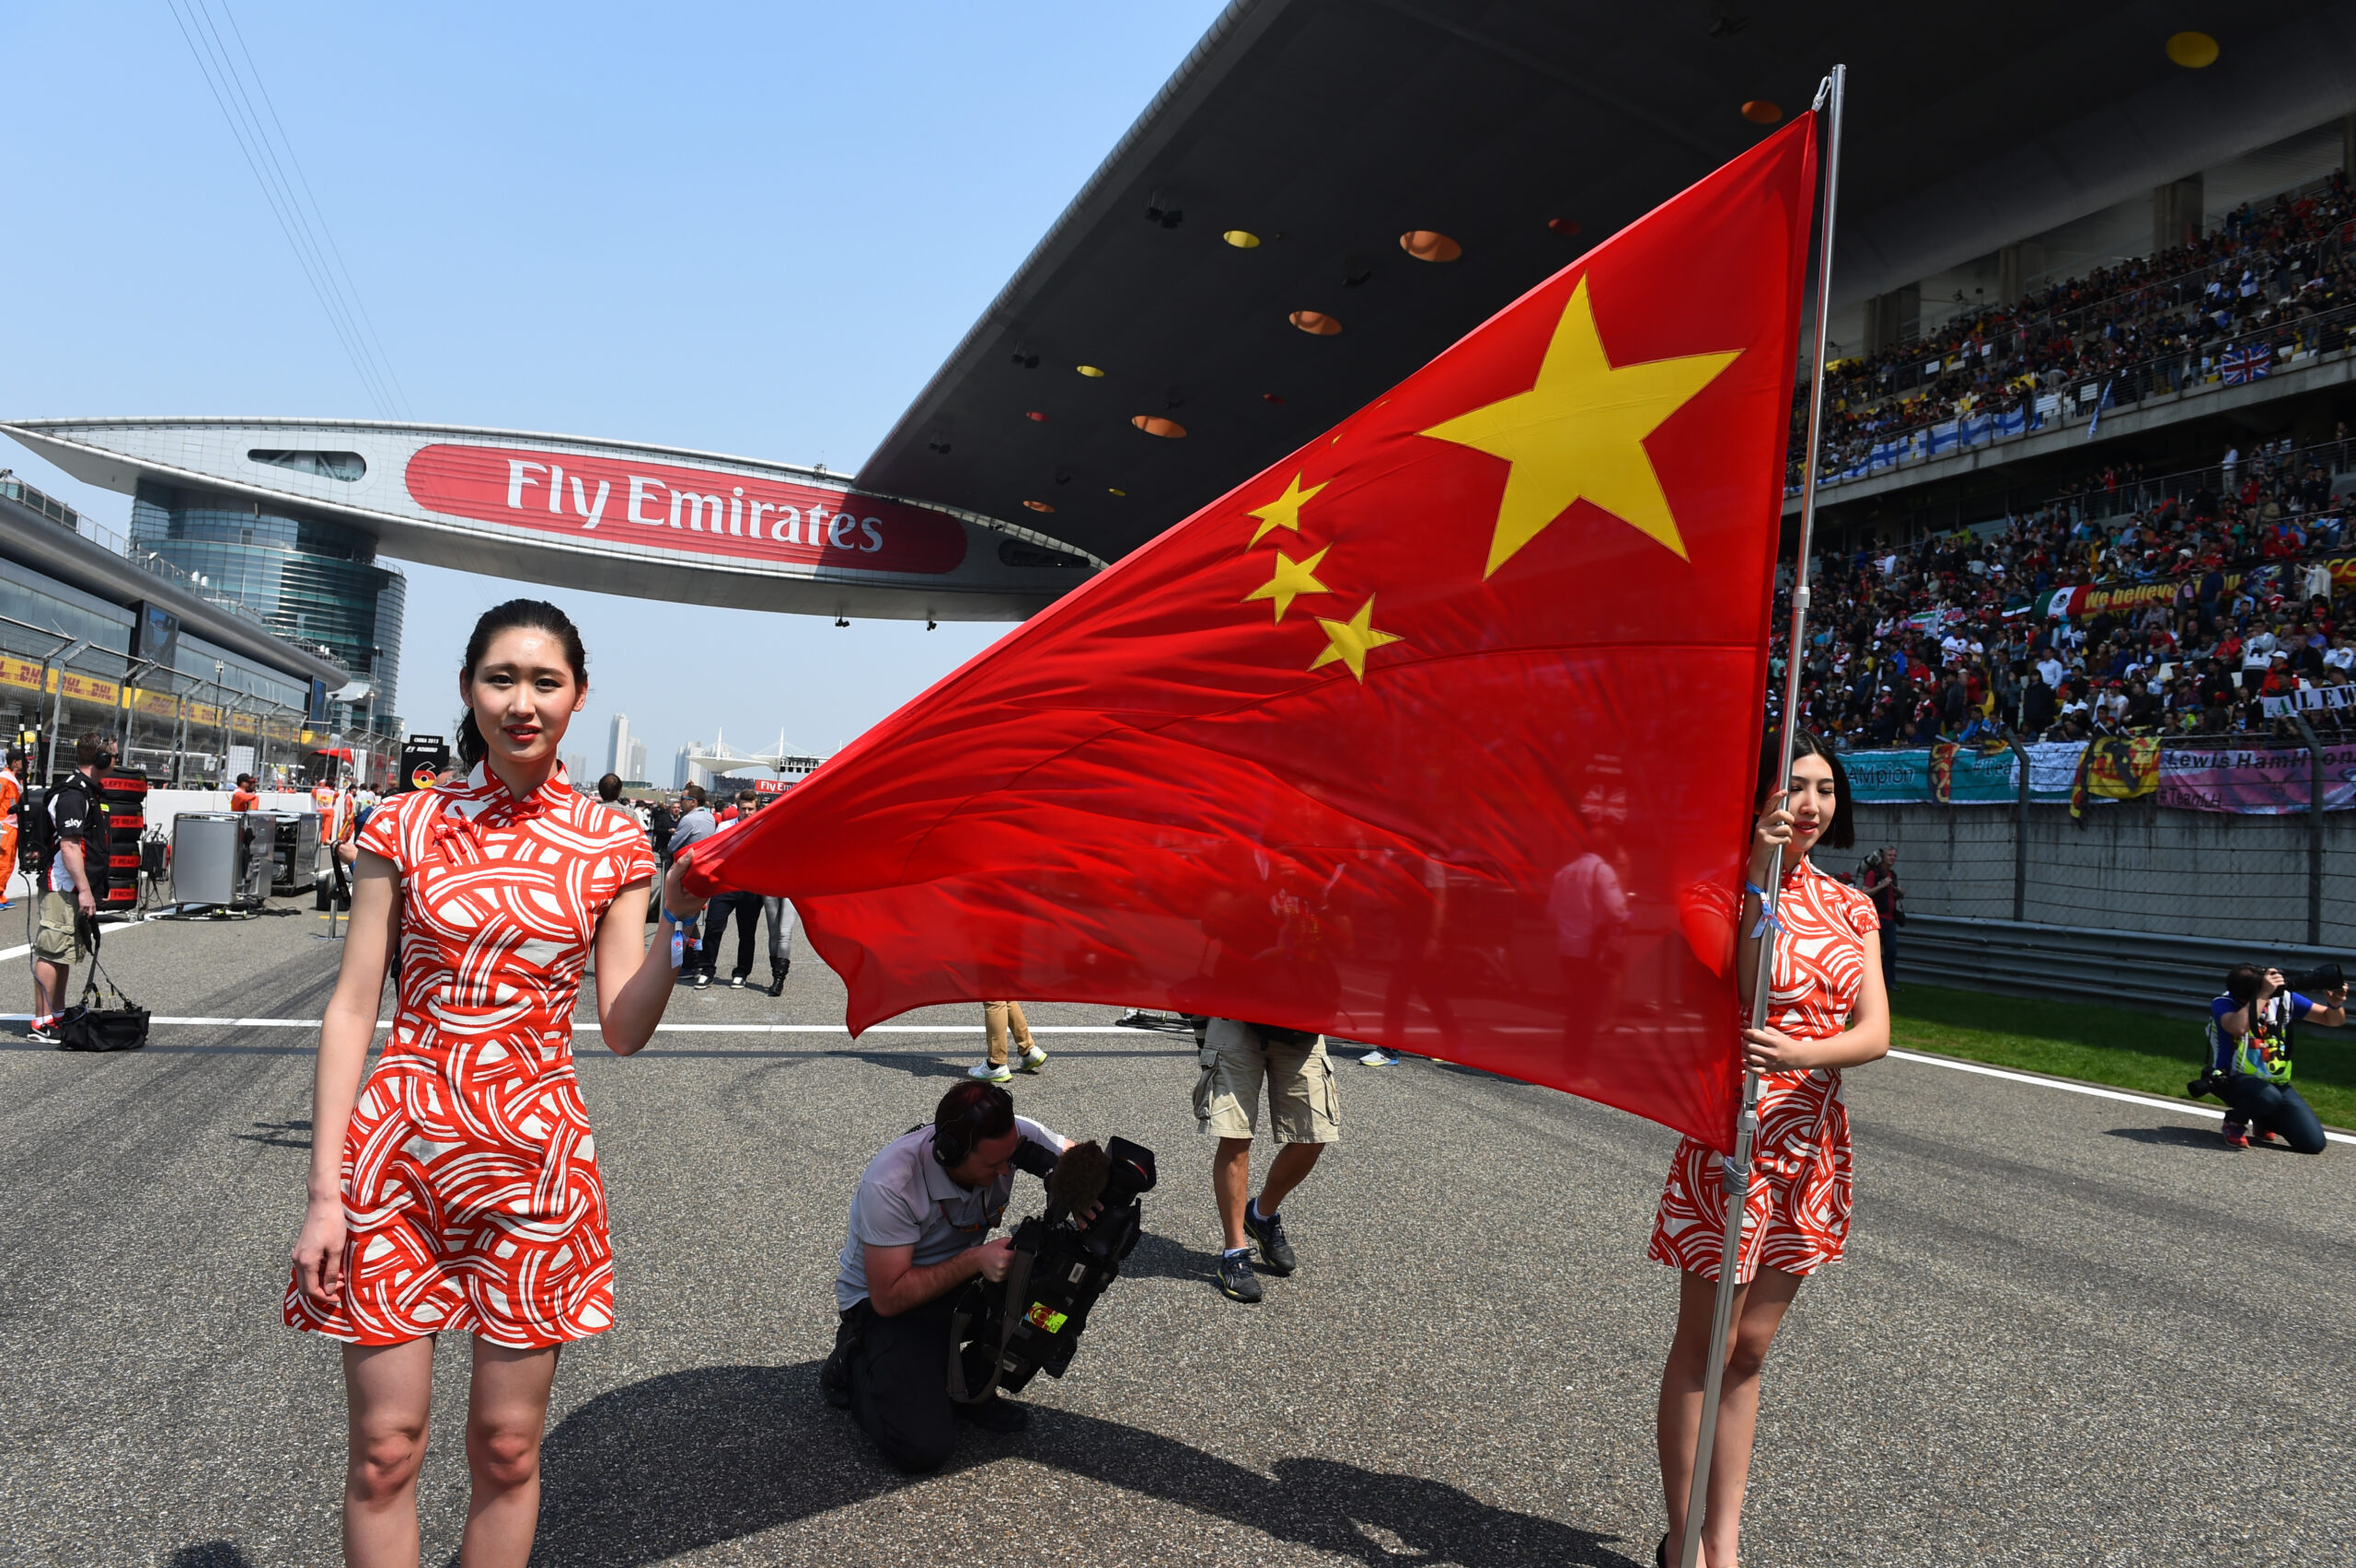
x,y
315,583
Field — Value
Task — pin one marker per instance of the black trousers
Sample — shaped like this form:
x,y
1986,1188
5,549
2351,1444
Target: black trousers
x,y
2275,1107
899,1383
745,908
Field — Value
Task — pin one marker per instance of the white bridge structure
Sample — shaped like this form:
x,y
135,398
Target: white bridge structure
x,y
702,763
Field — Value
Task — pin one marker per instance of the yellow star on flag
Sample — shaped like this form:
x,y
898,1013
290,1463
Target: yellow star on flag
x,y
1284,511
1293,579
1352,640
1579,434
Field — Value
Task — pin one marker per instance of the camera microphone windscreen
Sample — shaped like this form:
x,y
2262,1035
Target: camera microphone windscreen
x,y
1078,1181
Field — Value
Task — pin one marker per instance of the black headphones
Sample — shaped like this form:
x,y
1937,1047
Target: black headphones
x,y
952,1142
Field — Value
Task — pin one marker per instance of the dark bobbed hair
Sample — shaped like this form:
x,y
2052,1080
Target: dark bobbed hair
x,y
1841,833
610,788
515,615
2241,982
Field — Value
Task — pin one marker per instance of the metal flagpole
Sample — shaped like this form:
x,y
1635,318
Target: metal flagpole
x,y
1737,1169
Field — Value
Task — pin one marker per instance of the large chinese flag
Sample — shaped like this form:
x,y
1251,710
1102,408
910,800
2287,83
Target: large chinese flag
x,y
1438,733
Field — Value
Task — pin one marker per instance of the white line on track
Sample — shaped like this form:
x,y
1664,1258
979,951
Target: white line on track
x,y
2181,1107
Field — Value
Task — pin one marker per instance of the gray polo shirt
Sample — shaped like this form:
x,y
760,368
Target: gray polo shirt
x,y
906,1199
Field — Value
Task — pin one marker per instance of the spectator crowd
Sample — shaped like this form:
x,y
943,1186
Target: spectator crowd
x,y
2270,283
2200,597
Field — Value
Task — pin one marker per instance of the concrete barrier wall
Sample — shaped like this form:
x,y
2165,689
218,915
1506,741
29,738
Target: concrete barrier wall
x,y
2131,867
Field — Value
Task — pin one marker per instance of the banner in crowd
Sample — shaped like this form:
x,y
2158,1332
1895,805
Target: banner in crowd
x,y
1888,777
2053,770
2308,699
2255,783
2115,767
1972,778
2118,598
2249,782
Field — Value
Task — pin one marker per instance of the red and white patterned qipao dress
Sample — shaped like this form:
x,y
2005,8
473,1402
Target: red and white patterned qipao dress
x,y
470,1184
1799,1206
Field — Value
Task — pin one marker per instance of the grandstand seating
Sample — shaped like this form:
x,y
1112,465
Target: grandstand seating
x,y
2271,286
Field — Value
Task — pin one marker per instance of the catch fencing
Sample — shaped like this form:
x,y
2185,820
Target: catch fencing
x,y
2132,902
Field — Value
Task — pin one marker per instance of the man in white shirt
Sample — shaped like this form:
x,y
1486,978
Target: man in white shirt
x,y
2050,671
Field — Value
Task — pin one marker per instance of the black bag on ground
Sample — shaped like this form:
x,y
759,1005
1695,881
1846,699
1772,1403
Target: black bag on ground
x,y
86,1025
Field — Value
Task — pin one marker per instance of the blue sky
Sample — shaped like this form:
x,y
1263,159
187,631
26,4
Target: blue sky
x,y
750,229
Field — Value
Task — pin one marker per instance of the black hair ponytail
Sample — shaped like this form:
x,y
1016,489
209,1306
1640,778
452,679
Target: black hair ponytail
x,y
515,615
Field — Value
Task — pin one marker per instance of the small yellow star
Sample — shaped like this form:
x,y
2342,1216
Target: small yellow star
x,y
1284,511
1293,579
1352,640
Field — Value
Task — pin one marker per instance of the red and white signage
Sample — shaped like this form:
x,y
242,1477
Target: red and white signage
x,y
771,785
693,511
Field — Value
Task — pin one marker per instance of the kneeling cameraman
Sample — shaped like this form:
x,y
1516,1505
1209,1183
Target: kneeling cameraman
x,y
920,1229
2251,1031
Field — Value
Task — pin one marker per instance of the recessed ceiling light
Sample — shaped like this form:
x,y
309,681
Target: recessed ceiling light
x,y
1242,239
1563,226
2192,49
1315,322
1271,396
1761,111
1153,424
1429,244
1115,490
1091,372
1035,417
1038,506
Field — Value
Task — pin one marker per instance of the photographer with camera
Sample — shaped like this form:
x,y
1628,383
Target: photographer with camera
x,y
2251,1031
919,1230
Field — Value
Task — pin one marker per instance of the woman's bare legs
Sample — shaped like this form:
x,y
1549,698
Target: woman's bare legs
x,y
1759,1310
391,1390
387,1389
507,1410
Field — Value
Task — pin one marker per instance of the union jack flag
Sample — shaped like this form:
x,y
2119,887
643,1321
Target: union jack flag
x,y
2244,363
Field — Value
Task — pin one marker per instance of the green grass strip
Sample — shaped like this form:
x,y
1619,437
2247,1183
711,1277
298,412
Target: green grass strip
x,y
2149,1052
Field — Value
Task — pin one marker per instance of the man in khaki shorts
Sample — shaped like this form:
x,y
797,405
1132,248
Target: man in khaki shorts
x,y
1303,1117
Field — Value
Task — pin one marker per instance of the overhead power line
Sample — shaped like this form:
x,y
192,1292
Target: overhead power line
x,y
270,154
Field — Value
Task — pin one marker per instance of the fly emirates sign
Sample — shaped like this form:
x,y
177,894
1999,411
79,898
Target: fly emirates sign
x,y
692,511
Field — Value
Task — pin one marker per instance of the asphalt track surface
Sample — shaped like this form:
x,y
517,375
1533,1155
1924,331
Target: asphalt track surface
x,y
2069,1329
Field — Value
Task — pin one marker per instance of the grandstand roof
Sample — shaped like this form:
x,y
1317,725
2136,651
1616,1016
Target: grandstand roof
x,y
1328,128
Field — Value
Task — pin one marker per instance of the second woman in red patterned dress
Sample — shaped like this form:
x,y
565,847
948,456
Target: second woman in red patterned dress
x,y
1826,1011
458,1188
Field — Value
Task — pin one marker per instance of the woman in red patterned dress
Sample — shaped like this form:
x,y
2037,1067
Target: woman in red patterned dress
x,y
458,1188
1826,1011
